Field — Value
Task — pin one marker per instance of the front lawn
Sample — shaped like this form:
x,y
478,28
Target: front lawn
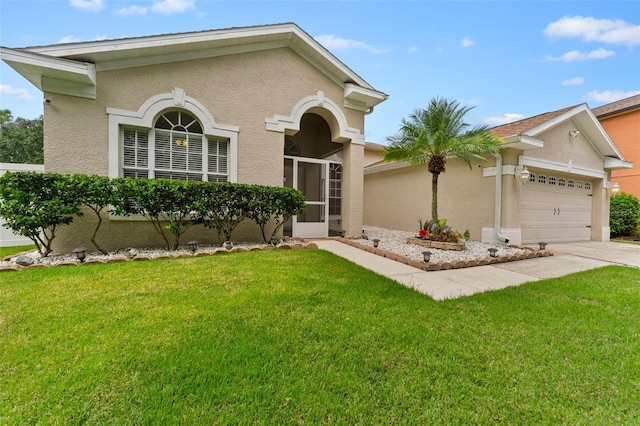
x,y
290,337
7,251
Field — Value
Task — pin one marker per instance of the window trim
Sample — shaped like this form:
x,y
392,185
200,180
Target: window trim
x,y
145,118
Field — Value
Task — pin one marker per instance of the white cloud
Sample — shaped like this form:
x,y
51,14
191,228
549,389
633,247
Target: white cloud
x,y
69,39
88,5
332,42
592,29
412,49
497,120
22,94
576,81
608,96
168,7
467,42
576,55
132,10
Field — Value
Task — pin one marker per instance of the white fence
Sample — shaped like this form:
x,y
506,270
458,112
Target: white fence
x,y
8,238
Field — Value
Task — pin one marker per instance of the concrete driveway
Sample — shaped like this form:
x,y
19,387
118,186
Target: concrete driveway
x,y
441,285
617,253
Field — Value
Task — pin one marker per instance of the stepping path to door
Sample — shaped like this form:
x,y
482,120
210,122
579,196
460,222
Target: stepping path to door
x,y
441,285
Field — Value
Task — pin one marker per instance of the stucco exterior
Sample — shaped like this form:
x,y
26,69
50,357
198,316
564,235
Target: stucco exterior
x,y
574,166
254,85
621,120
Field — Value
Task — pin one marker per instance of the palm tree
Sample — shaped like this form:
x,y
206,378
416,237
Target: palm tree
x,y
433,135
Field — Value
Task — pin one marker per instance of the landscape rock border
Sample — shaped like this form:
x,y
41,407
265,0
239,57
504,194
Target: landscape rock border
x,y
8,264
531,253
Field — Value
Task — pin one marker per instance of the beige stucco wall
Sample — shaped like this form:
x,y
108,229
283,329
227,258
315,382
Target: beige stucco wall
x,y
559,147
397,198
239,90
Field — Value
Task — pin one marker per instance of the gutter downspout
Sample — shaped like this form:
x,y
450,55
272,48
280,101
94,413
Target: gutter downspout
x,y
498,200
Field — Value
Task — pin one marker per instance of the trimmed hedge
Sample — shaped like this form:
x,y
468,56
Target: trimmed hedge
x,y
624,214
36,204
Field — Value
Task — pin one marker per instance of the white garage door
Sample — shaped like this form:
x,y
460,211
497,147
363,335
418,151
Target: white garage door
x,y
556,208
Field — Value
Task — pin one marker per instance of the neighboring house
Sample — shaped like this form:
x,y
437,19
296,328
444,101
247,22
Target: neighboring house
x,y
565,158
7,237
621,120
262,105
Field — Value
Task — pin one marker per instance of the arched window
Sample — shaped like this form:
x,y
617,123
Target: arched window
x,y
571,183
532,178
542,179
579,184
587,185
552,180
175,148
562,182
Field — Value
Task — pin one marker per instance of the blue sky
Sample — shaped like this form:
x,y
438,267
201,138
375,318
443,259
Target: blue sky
x,y
507,59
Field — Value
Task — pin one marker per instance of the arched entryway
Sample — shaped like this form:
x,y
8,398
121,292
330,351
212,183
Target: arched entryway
x,y
313,165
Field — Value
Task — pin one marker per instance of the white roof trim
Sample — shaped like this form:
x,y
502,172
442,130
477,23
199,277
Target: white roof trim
x,y
522,142
385,167
616,164
360,98
126,52
589,124
51,74
568,167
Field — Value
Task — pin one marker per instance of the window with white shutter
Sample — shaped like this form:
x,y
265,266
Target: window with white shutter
x,y
175,148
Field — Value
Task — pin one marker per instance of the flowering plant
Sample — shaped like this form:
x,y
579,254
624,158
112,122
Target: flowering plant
x,y
438,231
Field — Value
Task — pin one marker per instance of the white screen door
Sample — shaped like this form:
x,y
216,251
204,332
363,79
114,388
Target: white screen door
x,y
310,177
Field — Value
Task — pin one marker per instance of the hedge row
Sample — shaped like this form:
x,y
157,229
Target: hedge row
x,y
624,219
35,205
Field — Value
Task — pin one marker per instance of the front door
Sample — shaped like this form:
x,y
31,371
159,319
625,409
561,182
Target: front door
x,y
309,176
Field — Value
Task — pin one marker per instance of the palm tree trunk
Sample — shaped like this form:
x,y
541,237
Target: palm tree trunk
x,y
434,197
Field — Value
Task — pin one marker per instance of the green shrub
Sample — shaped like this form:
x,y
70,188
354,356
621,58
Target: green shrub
x,y
273,204
160,201
624,214
96,193
35,205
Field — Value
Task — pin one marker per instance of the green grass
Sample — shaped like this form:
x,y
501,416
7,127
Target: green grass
x,y
6,251
626,241
290,337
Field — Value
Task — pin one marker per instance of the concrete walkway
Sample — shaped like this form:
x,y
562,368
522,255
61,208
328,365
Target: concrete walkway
x,y
441,285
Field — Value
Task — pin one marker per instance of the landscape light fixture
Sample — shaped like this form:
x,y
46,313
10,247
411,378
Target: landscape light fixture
x,y
193,246
493,252
426,256
542,245
376,241
81,253
228,245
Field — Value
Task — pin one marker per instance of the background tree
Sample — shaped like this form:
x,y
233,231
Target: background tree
x,y
433,135
21,140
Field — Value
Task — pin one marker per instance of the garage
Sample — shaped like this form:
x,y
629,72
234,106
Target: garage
x,y
556,208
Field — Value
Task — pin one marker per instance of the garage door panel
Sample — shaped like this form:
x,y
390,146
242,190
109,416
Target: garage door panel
x,y
555,213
